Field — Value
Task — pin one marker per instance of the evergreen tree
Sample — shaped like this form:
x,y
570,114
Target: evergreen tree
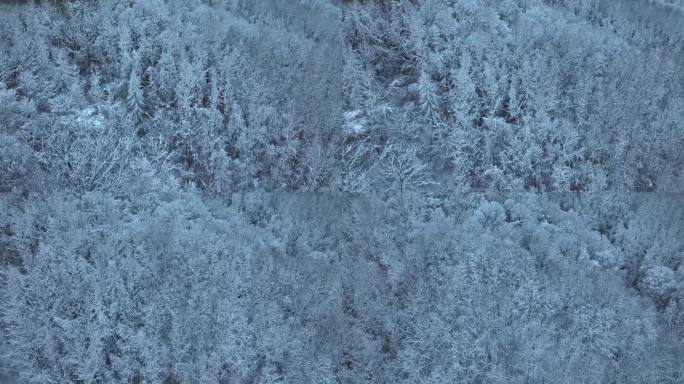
x,y
134,96
429,99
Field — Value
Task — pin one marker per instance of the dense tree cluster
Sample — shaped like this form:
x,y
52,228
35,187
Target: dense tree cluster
x,y
523,95
321,191
167,287
235,96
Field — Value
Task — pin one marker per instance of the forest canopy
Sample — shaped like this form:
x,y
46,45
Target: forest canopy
x,y
321,191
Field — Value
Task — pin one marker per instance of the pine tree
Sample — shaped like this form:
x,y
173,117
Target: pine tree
x,y
357,82
134,99
429,100
463,96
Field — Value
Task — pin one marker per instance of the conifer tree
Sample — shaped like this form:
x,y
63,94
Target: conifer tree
x,y
134,98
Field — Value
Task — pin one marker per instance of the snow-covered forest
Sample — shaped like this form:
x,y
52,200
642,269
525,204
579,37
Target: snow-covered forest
x,y
325,191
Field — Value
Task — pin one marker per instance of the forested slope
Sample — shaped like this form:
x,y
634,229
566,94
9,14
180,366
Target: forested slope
x,y
330,288
314,191
234,96
515,95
